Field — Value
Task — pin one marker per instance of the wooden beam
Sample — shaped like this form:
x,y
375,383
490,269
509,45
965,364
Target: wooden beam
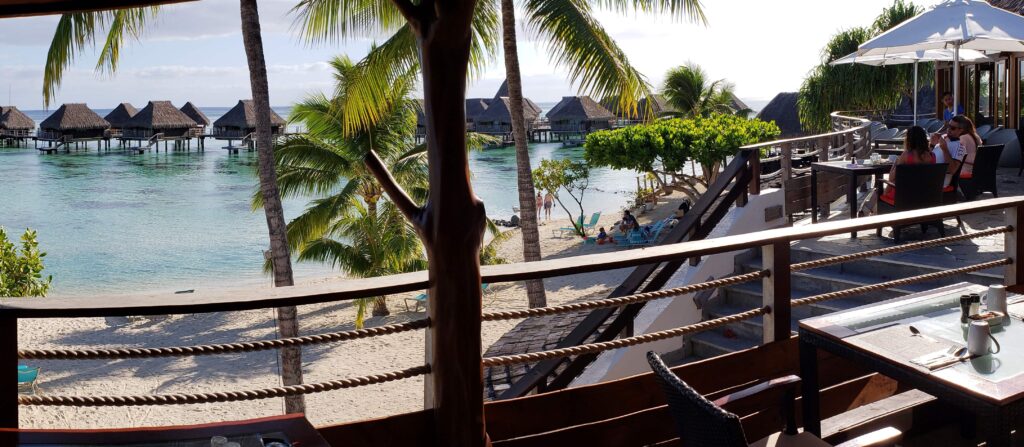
x,y
776,291
9,363
414,429
1014,246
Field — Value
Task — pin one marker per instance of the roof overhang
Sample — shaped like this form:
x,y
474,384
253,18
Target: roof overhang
x,y
23,8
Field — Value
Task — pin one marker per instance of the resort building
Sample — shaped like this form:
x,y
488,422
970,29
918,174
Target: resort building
x,y
474,108
15,123
73,122
202,122
159,120
118,117
496,120
576,116
240,122
782,109
658,106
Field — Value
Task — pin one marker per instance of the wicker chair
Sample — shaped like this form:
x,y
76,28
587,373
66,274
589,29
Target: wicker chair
x,y
704,423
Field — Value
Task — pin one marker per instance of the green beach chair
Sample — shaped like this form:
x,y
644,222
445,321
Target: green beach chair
x,y
593,222
27,377
562,231
418,299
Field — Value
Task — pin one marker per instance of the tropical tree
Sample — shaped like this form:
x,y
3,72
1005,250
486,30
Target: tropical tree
x,y
76,31
572,177
828,88
21,272
690,92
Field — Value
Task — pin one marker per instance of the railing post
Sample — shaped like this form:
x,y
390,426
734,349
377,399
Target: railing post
x,y
755,172
1014,247
9,386
776,290
786,162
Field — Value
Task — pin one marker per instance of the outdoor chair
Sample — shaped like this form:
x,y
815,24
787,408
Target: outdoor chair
x,y
934,127
983,177
701,422
571,230
421,299
1020,143
983,130
27,377
885,133
951,192
641,237
991,133
593,222
917,186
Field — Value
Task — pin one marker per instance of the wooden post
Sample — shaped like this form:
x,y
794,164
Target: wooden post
x,y
776,291
9,386
1014,247
786,162
755,172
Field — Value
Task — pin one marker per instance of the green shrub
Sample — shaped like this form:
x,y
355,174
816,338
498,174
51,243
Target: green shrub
x,y
21,272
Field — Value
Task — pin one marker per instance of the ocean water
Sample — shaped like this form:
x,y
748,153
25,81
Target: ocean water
x,y
113,222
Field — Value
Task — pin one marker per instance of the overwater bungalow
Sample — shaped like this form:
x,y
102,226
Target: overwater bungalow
x,y
202,122
474,108
159,120
15,123
73,122
776,332
240,122
658,106
576,116
118,117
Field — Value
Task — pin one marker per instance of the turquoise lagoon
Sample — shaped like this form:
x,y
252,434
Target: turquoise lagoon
x,y
113,222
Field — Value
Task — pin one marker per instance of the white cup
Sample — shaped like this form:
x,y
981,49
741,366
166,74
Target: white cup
x,y
980,339
995,299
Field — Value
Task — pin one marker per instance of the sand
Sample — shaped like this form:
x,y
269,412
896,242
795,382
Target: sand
x,y
260,369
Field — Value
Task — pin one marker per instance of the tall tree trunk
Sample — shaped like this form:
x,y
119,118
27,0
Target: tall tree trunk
x,y
380,303
527,198
287,317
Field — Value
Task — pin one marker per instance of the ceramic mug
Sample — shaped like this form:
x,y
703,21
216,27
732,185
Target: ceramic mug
x,y
980,339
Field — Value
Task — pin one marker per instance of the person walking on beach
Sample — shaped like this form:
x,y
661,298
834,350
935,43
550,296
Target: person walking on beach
x,y
549,201
540,203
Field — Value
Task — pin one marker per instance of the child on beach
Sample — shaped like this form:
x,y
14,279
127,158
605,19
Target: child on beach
x,y
604,238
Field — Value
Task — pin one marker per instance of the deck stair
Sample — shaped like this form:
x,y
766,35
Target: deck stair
x,y
152,141
742,297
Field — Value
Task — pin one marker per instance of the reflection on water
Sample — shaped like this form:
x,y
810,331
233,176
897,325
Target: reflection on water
x,y
118,222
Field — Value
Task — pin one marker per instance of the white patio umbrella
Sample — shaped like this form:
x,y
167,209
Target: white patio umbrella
x,y
956,25
914,57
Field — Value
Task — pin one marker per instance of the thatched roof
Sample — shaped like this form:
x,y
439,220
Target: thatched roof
x,y
160,115
197,115
120,115
498,111
502,91
243,115
580,108
74,117
14,119
783,110
1014,6
659,105
737,104
476,106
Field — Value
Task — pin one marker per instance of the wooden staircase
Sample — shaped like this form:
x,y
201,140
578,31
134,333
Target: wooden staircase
x,y
741,297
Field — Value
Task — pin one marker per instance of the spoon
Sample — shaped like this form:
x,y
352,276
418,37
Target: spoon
x,y
917,333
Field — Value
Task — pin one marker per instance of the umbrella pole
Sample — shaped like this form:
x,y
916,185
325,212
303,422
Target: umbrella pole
x,y
915,92
956,77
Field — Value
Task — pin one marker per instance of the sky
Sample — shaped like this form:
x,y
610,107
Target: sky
x,y
193,52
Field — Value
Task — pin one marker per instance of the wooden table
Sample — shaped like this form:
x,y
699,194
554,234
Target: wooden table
x,y
887,151
852,171
295,428
888,142
990,386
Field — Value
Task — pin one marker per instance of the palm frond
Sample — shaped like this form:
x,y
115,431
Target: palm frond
x,y
690,10
73,33
126,24
578,42
332,21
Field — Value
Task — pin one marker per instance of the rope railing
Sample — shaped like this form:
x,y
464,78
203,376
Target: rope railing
x,y
225,348
898,282
222,396
532,357
897,249
624,300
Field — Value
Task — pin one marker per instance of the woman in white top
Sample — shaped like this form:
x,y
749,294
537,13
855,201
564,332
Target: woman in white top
x,y
962,132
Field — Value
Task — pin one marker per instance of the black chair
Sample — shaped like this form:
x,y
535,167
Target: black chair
x,y
917,186
704,423
1020,143
983,175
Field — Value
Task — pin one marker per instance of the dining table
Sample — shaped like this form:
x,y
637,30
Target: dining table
x,y
853,170
919,340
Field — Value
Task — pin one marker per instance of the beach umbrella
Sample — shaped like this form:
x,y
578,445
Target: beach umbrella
x,y
881,60
955,25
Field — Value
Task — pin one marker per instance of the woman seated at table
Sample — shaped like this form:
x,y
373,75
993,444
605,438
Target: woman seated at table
x,y
915,151
960,143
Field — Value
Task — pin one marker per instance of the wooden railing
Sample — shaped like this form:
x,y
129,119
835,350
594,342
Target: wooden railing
x,y
597,410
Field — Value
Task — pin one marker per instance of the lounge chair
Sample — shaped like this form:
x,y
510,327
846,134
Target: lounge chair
x,y
917,186
934,127
593,222
983,177
571,230
701,422
421,299
640,237
27,377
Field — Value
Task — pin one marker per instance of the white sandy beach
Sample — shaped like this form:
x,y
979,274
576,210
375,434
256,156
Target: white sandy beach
x,y
259,370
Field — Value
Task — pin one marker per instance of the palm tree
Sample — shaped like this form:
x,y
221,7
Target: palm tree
x,y
689,91
575,38
76,31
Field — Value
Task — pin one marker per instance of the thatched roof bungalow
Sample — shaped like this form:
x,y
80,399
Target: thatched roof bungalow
x,y
120,115
158,117
74,122
197,115
579,115
241,121
497,119
14,122
474,108
783,110
659,107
